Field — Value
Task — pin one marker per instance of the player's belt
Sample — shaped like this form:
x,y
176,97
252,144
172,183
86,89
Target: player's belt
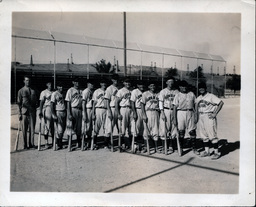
x,y
112,106
78,108
125,107
168,108
100,107
89,108
184,109
138,108
152,110
205,112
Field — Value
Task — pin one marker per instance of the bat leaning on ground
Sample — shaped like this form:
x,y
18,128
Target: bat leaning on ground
x,y
146,126
178,142
119,136
165,140
17,137
83,136
133,137
92,142
55,135
69,134
111,137
39,135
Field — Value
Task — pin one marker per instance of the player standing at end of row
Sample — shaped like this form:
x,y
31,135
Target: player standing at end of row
x,y
87,105
207,108
124,113
27,101
46,113
166,125
59,113
150,114
99,111
137,123
184,115
111,119
74,110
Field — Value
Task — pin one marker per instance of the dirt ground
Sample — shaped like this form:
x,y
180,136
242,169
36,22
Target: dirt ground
x,y
114,172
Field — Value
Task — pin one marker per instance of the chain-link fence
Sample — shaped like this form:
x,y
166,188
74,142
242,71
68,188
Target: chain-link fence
x,y
48,54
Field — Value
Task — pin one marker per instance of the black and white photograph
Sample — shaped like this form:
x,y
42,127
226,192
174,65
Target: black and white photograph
x,y
126,106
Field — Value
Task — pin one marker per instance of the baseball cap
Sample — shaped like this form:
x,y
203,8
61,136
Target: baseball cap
x,y
202,85
115,77
183,83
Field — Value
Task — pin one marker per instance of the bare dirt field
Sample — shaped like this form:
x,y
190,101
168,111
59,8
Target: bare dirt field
x,y
114,172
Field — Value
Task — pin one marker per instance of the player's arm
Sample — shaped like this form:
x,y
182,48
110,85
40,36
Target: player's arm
x,y
175,121
214,114
110,115
69,112
143,110
84,112
19,102
42,100
117,108
135,116
161,107
54,116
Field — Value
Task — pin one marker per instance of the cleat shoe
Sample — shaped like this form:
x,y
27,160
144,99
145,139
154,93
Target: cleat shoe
x,y
215,156
47,146
196,152
171,150
144,150
205,154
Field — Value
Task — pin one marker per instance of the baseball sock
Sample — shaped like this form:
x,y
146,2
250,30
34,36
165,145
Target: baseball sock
x,y
215,147
206,146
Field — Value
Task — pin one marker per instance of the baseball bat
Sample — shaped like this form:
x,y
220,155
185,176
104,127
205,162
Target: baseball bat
x,y
55,136
133,137
165,140
92,142
17,137
120,134
39,135
69,136
83,136
146,126
111,136
178,146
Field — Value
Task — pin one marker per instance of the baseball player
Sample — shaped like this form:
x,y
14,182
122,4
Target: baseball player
x,y
150,115
111,118
207,108
124,113
166,126
184,115
137,123
58,108
27,101
87,112
46,113
99,110
74,109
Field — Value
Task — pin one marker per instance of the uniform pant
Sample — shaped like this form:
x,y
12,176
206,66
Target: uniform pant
x,y
76,123
108,123
206,127
151,128
166,127
28,122
126,121
138,127
87,127
186,121
61,123
48,121
100,114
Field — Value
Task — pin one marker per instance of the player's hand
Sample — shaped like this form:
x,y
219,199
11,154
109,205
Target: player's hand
x,y
135,117
54,117
110,116
212,115
145,118
175,123
40,115
84,117
20,117
163,117
196,119
93,117
120,117
70,117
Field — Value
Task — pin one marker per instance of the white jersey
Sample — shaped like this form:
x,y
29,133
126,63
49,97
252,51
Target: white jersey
x,y
87,97
58,99
98,98
166,96
75,97
136,96
110,95
46,95
125,95
184,101
150,100
207,103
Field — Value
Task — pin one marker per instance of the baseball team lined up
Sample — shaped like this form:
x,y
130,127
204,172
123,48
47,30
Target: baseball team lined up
x,y
141,116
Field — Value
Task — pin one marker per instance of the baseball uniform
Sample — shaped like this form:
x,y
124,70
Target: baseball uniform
x,y
150,100
47,113
124,96
110,96
100,110
74,97
166,97
87,97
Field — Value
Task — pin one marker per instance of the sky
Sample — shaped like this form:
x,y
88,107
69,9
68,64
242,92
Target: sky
x,y
213,33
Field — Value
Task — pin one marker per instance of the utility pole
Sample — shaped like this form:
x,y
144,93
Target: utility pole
x,y
125,69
